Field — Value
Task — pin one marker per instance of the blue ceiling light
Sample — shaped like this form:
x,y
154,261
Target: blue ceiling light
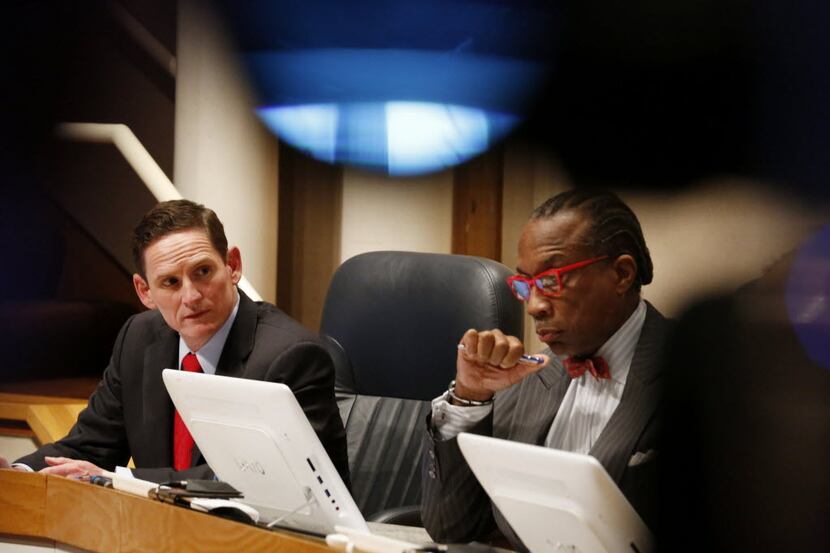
x,y
405,138
401,87
423,137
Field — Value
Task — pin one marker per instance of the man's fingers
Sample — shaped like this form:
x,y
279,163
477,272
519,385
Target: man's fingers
x,y
501,347
69,468
491,361
59,470
486,340
490,347
497,378
72,469
4,464
56,461
513,353
468,346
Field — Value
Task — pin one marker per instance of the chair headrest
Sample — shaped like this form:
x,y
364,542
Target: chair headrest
x,y
398,316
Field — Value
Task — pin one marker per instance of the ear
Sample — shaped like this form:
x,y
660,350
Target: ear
x,y
234,263
143,291
625,273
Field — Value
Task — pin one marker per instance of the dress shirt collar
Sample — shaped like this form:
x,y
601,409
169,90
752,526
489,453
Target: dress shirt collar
x,y
209,354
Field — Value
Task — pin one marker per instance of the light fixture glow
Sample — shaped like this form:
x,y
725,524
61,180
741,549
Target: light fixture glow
x,y
399,137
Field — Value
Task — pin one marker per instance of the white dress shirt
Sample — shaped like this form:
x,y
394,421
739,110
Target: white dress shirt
x,y
586,407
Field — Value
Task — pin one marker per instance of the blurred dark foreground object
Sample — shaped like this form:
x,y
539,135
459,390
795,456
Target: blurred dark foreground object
x,y
747,436
42,339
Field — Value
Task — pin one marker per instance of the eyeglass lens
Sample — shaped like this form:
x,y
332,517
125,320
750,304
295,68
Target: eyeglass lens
x,y
521,288
548,284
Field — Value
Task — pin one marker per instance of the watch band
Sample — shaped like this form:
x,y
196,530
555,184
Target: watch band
x,y
464,401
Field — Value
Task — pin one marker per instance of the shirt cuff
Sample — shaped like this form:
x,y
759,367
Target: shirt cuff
x,y
450,420
21,466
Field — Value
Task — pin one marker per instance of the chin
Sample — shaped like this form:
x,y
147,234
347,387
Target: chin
x,y
565,350
199,332
558,348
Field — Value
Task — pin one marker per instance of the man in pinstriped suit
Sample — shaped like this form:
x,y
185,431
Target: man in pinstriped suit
x,y
582,260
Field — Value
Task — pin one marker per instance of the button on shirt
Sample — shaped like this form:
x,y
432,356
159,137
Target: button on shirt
x,y
586,407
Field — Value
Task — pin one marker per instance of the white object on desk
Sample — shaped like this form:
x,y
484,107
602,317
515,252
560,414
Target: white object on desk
x,y
556,500
350,540
255,436
130,484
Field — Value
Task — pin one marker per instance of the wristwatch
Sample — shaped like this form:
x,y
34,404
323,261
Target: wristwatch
x,y
463,402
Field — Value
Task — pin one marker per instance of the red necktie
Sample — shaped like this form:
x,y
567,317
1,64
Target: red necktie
x,y
597,366
182,440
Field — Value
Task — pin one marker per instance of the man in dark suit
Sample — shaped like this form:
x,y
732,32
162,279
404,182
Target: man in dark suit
x,y
187,276
582,260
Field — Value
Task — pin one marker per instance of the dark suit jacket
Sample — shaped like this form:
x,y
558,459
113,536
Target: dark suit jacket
x,y
455,507
131,414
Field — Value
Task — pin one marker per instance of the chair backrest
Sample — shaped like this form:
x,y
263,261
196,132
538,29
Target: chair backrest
x,y
392,321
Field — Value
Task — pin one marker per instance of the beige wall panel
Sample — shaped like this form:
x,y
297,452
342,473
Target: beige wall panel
x,y
386,213
14,447
715,237
224,157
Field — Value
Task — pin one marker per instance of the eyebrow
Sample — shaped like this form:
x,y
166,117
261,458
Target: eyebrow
x,y
546,263
161,277
205,260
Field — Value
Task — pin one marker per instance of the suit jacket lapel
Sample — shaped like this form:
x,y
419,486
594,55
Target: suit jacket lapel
x,y
240,340
158,407
616,443
540,402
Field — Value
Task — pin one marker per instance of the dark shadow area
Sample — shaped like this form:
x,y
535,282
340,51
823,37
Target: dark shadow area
x,y
65,290
747,443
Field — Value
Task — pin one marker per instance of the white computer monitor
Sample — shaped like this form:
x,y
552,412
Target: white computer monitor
x,y
255,436
556,500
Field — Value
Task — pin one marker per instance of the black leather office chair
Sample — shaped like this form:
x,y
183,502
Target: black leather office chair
x,y
393,320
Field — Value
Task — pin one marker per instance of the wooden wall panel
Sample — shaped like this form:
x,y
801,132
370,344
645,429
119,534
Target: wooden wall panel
x,y
310,206
477,206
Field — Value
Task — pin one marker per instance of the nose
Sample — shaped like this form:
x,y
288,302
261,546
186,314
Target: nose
x,y
190,292
538,305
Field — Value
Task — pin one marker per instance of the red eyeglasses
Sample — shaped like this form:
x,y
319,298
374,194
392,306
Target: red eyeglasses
x,y
549,282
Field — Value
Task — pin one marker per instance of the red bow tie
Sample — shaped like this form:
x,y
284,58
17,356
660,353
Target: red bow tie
x,y
597,366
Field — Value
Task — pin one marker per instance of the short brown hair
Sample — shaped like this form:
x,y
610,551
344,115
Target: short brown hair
x,y
174,216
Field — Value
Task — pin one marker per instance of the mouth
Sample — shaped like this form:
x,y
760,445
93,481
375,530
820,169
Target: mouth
x,y
548,335
196,315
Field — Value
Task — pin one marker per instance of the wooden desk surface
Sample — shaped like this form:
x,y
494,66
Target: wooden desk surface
x,y
100,519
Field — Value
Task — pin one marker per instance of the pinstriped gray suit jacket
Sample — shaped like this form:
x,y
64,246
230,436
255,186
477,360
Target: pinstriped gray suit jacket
x,y
455,508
